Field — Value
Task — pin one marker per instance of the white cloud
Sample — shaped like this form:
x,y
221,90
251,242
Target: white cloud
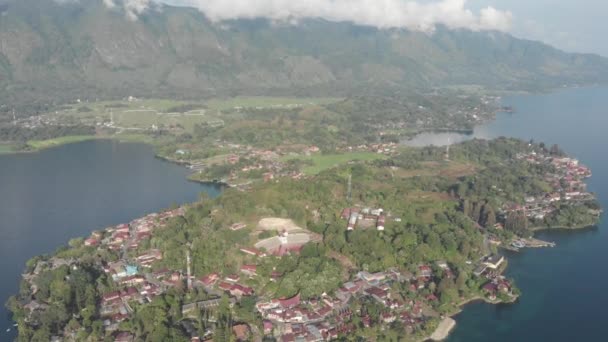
x,y
109,3
413,15
134,8
421,15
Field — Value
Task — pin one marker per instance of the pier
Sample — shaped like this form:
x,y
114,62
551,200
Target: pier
x,y
536,243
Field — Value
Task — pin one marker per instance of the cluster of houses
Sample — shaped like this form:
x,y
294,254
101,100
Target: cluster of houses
x,y
324,318
229,284
567,183
497,285
246,159
129,273
381,148
364,218
130,235
292,319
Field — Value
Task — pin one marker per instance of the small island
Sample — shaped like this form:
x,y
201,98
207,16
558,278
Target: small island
x,y
375,248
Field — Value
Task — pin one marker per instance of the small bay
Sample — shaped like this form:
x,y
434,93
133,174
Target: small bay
x,y
49,197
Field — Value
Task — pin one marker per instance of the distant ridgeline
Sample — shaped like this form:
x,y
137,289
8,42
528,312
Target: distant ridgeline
x,y
58,51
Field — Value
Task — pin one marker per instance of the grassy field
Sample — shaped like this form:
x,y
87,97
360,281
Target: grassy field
x,y
143,114
266,102
322,162
42,144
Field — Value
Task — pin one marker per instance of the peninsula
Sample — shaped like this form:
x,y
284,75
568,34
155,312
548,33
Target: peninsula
x,y
375,248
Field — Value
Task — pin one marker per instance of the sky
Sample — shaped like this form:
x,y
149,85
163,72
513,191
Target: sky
x,y
576,26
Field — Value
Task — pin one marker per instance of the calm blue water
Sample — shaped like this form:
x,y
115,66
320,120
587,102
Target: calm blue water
x,y
565,289
49,197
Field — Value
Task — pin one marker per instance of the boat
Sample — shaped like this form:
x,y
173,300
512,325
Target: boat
x,y
518,244
8,330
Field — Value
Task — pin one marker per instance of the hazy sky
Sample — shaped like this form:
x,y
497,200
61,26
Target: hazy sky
x,y
579,25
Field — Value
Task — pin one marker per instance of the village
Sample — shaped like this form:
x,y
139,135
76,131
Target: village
x,y
288,319
567,183
240,165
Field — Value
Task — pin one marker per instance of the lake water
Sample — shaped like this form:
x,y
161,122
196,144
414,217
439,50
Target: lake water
x,y
50,197
564,289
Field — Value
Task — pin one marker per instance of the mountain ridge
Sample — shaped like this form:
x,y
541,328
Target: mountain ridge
x,y
52,53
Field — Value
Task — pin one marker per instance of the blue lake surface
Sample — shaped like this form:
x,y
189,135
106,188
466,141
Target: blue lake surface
x,y
564,288
49,197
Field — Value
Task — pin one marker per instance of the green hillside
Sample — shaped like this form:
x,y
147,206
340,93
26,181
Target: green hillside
x,y
52,53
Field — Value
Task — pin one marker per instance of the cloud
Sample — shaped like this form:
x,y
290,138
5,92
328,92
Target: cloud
x,y
109,3
134,8
422,15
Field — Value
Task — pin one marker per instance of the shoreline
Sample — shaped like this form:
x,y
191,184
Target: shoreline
x,y
449,321
563,228
450,324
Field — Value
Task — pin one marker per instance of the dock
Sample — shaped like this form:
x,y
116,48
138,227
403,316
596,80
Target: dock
x,y
536,243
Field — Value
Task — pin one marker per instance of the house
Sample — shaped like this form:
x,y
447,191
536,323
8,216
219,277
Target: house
x,y
225,286
490,290
267,327
241,331
479,270
443,264
345,213
110,297
253,251
425,271
290,302
371,277
380,223
238,290
123,337
494,261
352,221
388,317
132,280
130,293
233,278
209,279
232,159
288,338
249,270
268,176
275,275
378,294
91,242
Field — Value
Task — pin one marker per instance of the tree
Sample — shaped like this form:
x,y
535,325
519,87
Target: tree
x,y
490,217
461,281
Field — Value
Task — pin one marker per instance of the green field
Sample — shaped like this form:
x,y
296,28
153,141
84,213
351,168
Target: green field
x,y
144,114
266,102
42,144
322,162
